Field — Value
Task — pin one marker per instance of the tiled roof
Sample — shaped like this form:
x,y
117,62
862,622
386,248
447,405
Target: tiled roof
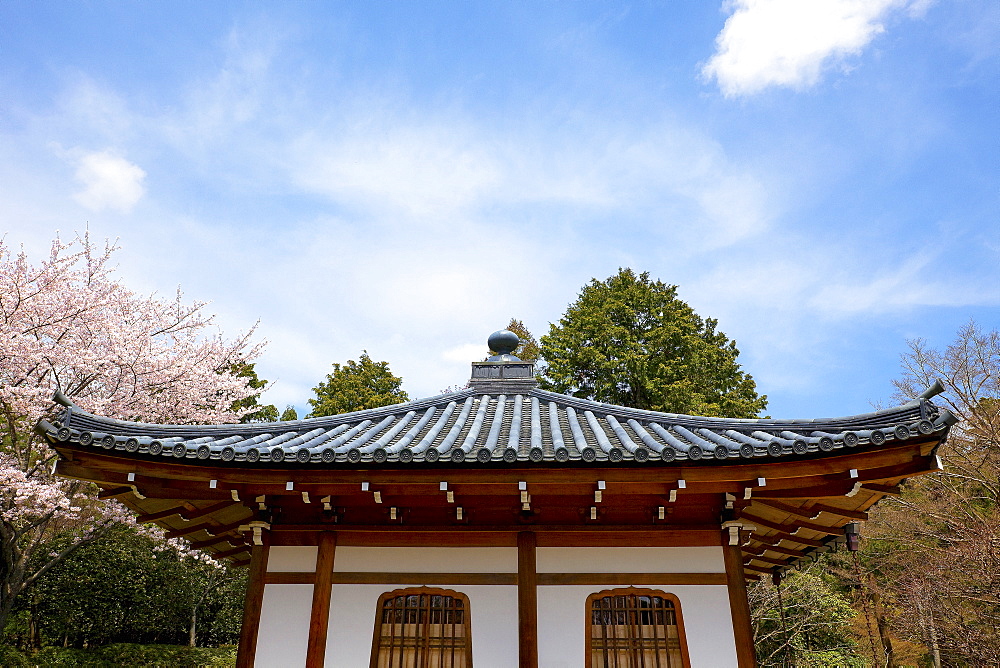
x,y
494,423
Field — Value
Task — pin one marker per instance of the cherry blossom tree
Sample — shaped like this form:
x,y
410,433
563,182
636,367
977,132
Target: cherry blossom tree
x,y
67,323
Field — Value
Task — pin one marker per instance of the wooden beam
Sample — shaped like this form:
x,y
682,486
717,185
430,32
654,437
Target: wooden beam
x,y
739,605
163,514
112,493
773,548
631,579
319,618
791,528
527,600
503,579
207,510
247,651
406,579
841,512
212,528
380,535
767,560
808,513
785,530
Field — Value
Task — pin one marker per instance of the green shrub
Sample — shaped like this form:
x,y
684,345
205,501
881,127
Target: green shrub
x,y
122,655
13,658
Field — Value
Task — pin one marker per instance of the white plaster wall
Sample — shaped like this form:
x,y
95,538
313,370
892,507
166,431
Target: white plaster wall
x,y
292,559
284,625
630,560
352,624
561,609
426,559
562,624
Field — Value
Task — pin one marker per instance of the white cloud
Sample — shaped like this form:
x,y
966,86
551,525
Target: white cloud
x,y
110,182
440,170
791,42
465,353
425,169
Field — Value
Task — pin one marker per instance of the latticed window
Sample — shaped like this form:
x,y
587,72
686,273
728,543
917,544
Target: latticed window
x,y
635,628
422,628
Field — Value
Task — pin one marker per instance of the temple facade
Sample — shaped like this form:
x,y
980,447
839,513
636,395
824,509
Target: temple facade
x,y
503,525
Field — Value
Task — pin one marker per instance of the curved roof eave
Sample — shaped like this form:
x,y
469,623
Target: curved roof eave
x,y
525,425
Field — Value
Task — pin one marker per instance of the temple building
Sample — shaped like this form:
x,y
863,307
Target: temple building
x,y
503,525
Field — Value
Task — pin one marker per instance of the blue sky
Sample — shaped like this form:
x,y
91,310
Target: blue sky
x,y
404,177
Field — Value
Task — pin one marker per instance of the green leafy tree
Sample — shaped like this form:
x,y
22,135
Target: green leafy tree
x,y
629,340
257,412
289,414
128,586
810,624
356,386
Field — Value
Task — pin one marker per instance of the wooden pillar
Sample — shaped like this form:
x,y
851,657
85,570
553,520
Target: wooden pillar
x,y
527,600
746,656
319,619
252,604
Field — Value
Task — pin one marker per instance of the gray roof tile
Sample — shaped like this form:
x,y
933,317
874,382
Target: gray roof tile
x,y
506,422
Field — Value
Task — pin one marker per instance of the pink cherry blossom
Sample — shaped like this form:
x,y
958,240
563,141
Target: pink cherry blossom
x,y
67,323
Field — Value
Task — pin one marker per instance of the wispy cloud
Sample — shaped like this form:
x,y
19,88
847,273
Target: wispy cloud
x,y
790,43
109,182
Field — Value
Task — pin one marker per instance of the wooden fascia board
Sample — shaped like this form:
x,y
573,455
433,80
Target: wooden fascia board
x,y
814,487
772,469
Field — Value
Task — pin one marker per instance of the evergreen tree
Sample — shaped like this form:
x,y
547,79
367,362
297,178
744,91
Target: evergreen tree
x,y
356,386
629,340
251,410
